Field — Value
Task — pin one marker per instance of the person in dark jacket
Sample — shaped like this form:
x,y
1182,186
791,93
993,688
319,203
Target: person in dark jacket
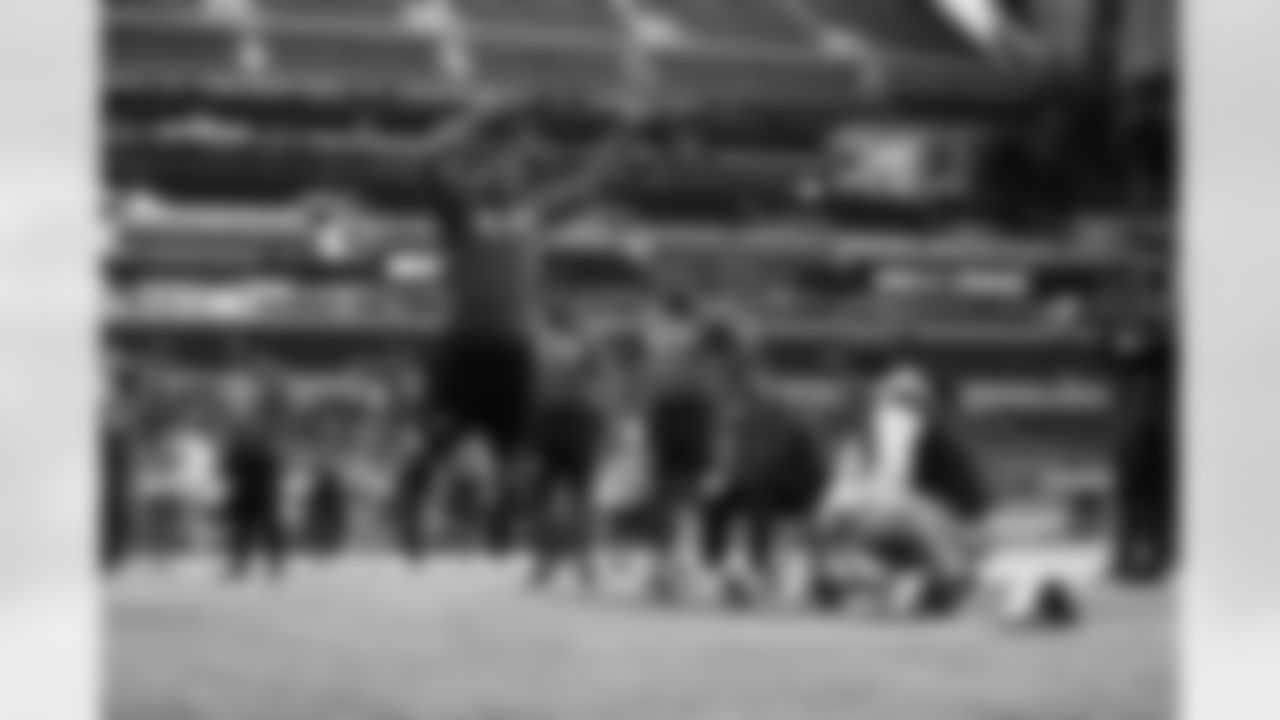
x,y
484,369
410,500
569,437
116,471
327,513
1147,529
683,429
948,474
253,511
774,475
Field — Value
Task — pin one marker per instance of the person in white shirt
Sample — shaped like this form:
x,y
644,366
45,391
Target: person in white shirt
x,y
172,482
621,496
194,461
907,494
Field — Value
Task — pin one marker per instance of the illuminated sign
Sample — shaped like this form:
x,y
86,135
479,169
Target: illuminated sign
x,y
881,161
902,162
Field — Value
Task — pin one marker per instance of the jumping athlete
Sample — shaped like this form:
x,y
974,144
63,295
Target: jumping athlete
x,y
483,371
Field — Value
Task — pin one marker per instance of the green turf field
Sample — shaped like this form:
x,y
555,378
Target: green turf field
x,y
370,639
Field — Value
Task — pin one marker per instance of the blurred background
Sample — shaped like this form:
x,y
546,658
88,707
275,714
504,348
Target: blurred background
x,y
986,188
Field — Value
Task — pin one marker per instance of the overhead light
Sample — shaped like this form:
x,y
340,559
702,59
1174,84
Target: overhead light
x,y
414,267
139,205
206,128
638,245
431,17
655,29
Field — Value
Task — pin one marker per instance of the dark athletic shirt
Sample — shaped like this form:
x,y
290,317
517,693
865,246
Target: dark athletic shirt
x,y
491,271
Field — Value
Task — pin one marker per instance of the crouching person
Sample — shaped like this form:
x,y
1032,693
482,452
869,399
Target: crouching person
x,y
906,505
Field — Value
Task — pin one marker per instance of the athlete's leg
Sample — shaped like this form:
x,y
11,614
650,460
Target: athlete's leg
x,y
505,416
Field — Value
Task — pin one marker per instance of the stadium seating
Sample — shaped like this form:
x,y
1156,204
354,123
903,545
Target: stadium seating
x,y
702,194
1037,438
765,129
606,273
916,29
389,12
173,50
588,70
957,87
706,77
350,59
156,8
849,293
132,106
207,251
746,22
591,17
217,173
753,102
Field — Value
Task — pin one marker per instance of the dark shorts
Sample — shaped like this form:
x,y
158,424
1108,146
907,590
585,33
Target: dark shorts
x,y
485,385
567,441
786,495
682,446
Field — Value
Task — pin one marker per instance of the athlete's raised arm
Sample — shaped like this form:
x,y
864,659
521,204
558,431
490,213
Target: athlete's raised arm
x,y
446,194
585,182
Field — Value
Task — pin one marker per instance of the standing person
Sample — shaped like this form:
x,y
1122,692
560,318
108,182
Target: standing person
x,y
193,456
116,471
253,499
1147,533
326,513
775,473
484,371
161,502
683,431
619,493
619,498
569,438
412,497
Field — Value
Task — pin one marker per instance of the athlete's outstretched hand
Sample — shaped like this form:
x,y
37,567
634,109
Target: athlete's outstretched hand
x,y
505,129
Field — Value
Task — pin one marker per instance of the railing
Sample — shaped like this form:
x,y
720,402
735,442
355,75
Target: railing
x,y
742,22
732,54
588,17
682,243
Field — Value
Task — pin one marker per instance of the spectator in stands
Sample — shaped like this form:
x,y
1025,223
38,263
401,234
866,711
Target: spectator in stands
x,y
915,500
1146,541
